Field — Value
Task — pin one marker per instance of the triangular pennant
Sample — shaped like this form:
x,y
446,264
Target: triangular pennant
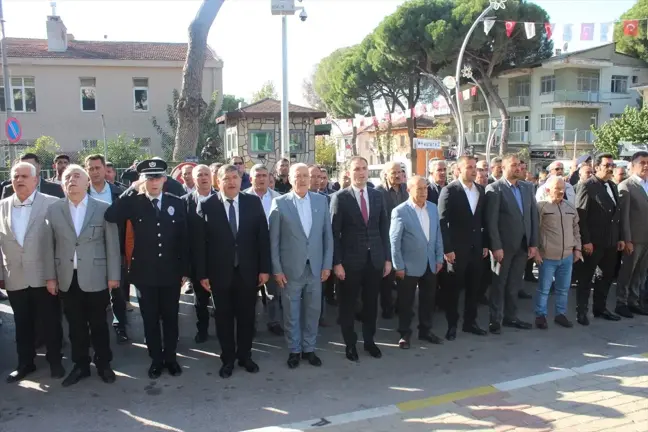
x,y
488,25
567,32
587,32
631,28
607,32
549,28
530,30
510,26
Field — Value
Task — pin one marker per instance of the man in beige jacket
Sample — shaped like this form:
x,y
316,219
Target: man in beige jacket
x,y
559,248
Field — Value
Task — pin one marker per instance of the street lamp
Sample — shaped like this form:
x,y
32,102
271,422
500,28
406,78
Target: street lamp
x,y
493,5
285,8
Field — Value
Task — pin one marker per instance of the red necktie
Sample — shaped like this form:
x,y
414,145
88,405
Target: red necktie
x,y
363,207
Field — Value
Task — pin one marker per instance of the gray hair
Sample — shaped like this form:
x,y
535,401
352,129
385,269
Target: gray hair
x,y
225,169
32,168
432,165
295,167
257,167
496,160
196,170
75,168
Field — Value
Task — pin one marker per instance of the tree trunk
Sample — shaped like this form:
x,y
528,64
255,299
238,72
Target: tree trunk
x,y
354,145
504,115
191,104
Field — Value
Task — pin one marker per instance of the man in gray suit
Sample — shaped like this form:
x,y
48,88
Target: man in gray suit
x,y
82,259
22,217
301,244
512,226
633,197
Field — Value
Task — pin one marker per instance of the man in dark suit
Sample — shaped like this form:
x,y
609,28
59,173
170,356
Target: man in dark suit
x,y
203,181
232,250
462,217
437,179
361,254
44,187
599,211
512,226
496,171
394,193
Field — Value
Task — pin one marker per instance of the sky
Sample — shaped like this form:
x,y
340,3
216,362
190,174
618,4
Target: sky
x,y
248,37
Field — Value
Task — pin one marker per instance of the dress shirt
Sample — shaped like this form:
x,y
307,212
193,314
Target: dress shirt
x,y
423,218
266,201
304,210
78,213
356,193
642,182
189,190
203,198
227,206
159,198
104,195
472,193
397,195
609,191
517,193
20,212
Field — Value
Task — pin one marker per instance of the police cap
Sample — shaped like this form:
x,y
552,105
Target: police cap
x,y
152,168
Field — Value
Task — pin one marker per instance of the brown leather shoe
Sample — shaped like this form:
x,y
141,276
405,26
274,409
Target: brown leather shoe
x,y
541,322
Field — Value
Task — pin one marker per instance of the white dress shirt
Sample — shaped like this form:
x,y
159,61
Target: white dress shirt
x,y
104,195
423,218
609,191
356,193
159,198
188,189
227,206
20,213
472,193
643,183
203,198
266,201
78,215
304,210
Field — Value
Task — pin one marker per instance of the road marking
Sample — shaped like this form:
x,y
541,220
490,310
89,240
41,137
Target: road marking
x,y
445,398
535,380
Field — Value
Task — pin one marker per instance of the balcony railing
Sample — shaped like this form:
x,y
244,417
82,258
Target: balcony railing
x,y
568,136
479,106
576,96
521,137
518,102
476,138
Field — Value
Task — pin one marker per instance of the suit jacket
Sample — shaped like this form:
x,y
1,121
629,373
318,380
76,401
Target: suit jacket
x,y
214,244
250,191
174,187
463,232
22,266
389,202
434,191
191,201
506,226
46,187
408,242
600,217
634,208
291,248
352,238
97,247
115,192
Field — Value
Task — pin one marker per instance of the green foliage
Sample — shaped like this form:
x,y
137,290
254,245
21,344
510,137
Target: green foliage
x,y
46,148
230,103
325,153
208,127
635,46
384,142
438,131
267,91
632,126
335,94
122,151
524,155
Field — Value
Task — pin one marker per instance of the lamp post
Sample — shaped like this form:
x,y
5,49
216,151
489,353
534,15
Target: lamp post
x,y
493,5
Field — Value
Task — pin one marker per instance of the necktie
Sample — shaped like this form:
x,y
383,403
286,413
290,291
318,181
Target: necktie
x,y
363,207
155,202
232,222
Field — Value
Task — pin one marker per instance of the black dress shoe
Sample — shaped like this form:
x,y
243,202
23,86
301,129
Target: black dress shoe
x,y
77,374
312,358
293,360
474,329
106,374
404,343
173,368
20,373
430,337
523,295
201,337
57,371
607,315
226,370
122,336
373,350
495,328
352,353
155,370
516,323
276,329
249,365
530,278
582,319
484,301
624,311
638,310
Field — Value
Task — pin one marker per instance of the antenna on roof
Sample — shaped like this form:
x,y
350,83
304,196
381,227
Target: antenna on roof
x,y
53,5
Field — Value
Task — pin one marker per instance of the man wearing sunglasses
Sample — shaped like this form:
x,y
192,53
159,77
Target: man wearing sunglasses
x,y
557,169
237,161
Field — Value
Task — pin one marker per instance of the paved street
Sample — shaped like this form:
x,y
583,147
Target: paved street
x,y
201,400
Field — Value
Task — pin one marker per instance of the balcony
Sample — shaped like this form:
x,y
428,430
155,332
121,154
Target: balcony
x,y
478,138
475,107
518,103
441,112
575,99
519,137
567,137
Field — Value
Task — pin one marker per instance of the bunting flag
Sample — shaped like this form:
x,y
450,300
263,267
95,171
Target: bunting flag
x,y
435,104
549,28
459,94
374,120
587,32
567,32
466,94
473,91
631,28
510,26
529,28
488,25
607,32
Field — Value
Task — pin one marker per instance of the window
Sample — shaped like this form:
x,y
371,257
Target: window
x,y
140,94
23,91
588,81
522,88
481,125
261,141
547,84
635,79
89,144
297,139
88,91
619,84
520,124
547,122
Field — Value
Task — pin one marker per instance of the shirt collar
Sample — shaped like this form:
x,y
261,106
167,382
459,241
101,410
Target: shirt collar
x,y
468,188
512,185
357,189
29,200
224,198
151,197
414,206
83,203
639,179
305,199
105,189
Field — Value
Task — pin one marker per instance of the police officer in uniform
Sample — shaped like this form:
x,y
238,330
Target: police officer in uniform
x,y
159,263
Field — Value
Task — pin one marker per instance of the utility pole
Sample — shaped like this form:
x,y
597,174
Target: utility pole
x,y
5,67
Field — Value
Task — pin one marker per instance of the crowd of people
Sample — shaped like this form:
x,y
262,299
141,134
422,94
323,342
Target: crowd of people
x,y
74,245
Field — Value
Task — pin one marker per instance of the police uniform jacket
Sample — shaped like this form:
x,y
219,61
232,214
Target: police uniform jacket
x,y
160,253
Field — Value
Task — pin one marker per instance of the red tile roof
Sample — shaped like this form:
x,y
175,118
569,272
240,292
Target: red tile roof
x,y
102,50
270,107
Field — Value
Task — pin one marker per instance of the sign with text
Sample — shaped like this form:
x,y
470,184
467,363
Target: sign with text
x,y
427,144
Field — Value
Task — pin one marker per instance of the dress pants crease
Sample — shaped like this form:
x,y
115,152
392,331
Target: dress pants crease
x,y
160,303
427,294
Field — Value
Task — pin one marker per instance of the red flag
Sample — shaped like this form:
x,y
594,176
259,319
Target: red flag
x,y
473,91
549,30
587,32
459,94
435,104
510,26
375,120
631,28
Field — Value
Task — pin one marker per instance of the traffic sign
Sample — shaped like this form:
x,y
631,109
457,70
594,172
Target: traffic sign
x,y
13,130
427,144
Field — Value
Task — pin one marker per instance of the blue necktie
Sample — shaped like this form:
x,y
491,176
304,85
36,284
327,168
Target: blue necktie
x,y
155,202
232,222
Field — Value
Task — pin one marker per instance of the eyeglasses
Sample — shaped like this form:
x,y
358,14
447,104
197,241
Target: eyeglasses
x,y
238,163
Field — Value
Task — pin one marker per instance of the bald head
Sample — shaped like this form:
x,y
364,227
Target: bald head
x,y
555,187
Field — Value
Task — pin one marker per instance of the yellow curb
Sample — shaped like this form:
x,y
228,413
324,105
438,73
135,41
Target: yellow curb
x,y
644,355
445,398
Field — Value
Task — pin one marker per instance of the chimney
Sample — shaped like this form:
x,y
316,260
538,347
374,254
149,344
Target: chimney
x,y
558,51
57,37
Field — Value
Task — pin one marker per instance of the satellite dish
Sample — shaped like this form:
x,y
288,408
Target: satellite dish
x,y
449,82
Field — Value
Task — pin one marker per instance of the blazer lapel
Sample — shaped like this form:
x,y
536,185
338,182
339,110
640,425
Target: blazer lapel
x,y
9,209
415,219
36,208
292,208
511,197
68,216
92,204
355,205
374,199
